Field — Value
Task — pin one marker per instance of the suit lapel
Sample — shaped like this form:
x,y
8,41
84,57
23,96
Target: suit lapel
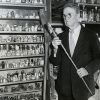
x,y
80,44
65,41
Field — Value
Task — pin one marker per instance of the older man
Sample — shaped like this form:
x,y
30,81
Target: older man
x,y
82,46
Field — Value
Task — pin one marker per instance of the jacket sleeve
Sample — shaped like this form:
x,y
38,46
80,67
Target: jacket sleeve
x,y
94,65
55,60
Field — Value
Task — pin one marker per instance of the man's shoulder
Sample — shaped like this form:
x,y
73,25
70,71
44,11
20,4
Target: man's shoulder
x,y
90,34
88,31
64,33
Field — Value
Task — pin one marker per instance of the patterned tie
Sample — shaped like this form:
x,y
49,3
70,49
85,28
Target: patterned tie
x,y
71,42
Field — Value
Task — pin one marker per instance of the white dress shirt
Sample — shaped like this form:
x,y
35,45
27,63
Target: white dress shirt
x,y
75,34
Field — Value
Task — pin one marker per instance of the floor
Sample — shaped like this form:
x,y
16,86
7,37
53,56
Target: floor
x,y
94,97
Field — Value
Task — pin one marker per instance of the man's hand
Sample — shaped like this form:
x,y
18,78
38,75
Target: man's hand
x,y
56,41
82,72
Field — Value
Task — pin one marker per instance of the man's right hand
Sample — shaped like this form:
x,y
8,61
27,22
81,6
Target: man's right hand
x,y
55,42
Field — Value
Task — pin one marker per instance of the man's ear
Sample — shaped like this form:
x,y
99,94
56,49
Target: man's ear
x,y
64,20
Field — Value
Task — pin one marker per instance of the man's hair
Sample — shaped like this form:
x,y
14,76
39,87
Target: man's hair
x,y
72,5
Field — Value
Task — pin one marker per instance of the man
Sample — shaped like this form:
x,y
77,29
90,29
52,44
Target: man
x,y
82,46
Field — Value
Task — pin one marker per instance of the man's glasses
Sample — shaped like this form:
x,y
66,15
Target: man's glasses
x,y
67,16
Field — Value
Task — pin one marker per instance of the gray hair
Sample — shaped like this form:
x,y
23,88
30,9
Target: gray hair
x,y
72,5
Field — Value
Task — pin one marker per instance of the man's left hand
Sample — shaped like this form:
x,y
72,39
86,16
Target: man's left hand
x,y
82,72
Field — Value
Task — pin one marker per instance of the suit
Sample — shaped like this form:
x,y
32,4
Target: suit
x,y
86,54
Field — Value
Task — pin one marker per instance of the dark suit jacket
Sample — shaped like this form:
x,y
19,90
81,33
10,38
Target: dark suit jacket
x,y
86,54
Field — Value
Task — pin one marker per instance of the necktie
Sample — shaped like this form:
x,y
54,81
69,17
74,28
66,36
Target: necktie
x,y
71,42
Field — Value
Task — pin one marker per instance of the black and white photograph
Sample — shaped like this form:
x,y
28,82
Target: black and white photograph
x,y
49,49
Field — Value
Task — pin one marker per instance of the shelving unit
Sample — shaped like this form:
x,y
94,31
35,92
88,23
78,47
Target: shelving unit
x,y
22,50
90,11
89,4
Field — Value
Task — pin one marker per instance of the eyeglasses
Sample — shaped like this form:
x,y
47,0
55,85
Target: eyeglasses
x,y
67,16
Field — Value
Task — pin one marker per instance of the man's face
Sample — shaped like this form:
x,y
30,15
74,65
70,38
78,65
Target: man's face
x,y
71,18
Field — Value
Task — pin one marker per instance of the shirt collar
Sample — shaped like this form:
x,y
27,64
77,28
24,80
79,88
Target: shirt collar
x,y
77,29
75,33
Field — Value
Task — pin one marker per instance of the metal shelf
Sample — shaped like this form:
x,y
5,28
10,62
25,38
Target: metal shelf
x,y
90,22
56,24
20,32
21,82
15,93
89,5
8,43
22,5
19,57
29,67
22,19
